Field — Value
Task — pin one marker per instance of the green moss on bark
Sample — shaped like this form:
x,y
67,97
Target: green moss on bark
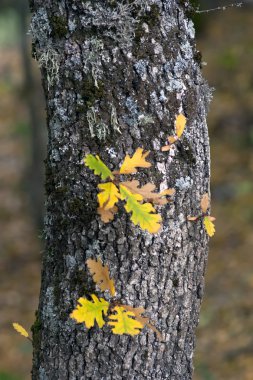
x,y
151,18
59,26
90,92
36,331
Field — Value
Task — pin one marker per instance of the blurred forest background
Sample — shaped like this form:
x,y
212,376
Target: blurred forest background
x,y
225,334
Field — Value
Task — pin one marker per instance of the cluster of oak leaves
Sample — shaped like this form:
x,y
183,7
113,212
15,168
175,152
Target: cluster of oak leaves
x,y
125,319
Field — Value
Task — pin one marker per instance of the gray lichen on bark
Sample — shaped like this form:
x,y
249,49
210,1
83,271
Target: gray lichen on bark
x,y
138,56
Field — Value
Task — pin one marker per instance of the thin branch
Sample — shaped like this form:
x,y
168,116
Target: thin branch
x,y
222,8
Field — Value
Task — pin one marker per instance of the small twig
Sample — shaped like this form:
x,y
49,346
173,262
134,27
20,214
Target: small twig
x,y
222,8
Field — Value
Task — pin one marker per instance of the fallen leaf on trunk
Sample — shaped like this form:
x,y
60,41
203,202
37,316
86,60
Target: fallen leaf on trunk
x,y
101,276
137,161
147,191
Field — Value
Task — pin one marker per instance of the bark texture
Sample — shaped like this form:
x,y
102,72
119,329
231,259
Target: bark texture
x,y
115,75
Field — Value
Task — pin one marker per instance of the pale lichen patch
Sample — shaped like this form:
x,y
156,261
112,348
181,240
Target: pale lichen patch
x,y
184,183
97,127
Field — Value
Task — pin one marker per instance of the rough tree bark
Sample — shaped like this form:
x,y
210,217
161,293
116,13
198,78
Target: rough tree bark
x,y
115,75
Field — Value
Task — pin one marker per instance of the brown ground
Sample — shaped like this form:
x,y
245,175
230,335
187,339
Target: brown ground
x,y
225,335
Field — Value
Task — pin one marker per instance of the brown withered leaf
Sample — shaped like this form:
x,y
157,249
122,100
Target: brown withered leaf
x,y
107,215
101,276
205,203
171,140
138,311
165,148
192,218
147,191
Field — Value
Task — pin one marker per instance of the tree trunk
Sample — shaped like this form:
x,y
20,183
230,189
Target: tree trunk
x,y
35,104
133,62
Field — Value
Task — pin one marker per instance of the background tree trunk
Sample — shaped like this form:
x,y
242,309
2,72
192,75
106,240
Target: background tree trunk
x,y
35,104
33,98
137,58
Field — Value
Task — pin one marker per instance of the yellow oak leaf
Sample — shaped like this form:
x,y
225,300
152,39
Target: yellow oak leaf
x,y
20,329
108,196
88,312
180,125
123,322
137,161
101,276
107,215
179,128
147,191
138,311
96,164
205,203
209,226
142,214
172,139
